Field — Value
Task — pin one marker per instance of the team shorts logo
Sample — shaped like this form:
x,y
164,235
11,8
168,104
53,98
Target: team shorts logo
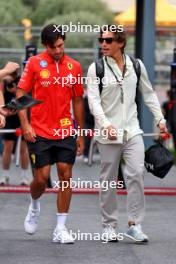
x,y
33,158
65,122
43,63
45,74
70,66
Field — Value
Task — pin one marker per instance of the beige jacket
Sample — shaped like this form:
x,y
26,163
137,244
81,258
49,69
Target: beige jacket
x,y
109,110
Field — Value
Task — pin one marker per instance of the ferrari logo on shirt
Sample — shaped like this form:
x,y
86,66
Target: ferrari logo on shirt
x,y
70,66
65,122
33,158
45,74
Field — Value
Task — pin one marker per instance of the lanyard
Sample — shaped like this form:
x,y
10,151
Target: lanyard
x,y
119,80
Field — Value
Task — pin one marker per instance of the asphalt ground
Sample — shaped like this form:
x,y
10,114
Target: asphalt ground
x,y
16,247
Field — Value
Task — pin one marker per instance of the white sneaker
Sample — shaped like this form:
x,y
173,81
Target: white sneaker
x,y
109,234
31,220
4,180
61,235
135,233
24,181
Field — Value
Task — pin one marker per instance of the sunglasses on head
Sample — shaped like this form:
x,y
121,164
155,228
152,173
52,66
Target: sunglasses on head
x,y
107,40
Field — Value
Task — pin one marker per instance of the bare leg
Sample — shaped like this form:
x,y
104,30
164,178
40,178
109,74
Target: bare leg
x,y
64,195
39,182
24,156
6,156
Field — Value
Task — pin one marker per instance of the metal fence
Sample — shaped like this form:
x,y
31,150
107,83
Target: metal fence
x,y
163,54
87,56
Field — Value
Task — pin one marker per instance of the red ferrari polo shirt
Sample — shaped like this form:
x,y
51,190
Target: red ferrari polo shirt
x,y
55,83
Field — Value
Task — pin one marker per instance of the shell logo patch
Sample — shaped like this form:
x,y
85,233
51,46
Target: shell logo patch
x,y
44,74
33,158
65,122
70,66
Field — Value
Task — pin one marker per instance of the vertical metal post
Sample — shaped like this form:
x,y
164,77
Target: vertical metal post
x,y
145,50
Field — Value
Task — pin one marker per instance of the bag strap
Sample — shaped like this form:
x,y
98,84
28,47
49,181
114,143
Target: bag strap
x,y
99,66
137,69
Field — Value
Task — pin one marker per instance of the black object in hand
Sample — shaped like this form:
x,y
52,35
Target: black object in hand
x,y
22,102
158,160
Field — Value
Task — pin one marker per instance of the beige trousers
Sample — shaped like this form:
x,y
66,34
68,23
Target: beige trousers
x,y
132,153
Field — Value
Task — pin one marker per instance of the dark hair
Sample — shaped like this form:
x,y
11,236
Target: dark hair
x,y
120,36
51,33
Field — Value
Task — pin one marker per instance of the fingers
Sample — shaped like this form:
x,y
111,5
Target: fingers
x,y
8,112
3,112
12,112
110,137
2,121
78,153
11,67
80,147
163,131
112,134
30,135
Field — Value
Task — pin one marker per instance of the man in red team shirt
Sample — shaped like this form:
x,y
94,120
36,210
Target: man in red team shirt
x,y
48,76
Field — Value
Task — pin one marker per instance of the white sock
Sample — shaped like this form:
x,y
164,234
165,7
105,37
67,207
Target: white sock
x,y
35,203
5,173
61,219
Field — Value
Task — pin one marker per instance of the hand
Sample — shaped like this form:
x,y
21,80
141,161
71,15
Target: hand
x,y
7,112
3,111
2,121
80,146
111,132
163,129
11,112
29,133
11,67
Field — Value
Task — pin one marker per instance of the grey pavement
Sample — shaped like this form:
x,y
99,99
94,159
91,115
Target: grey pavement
x,y
16,247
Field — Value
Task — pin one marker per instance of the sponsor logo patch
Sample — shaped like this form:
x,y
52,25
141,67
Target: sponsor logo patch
x,y
45,83
65,122
33,158
44,74
43,63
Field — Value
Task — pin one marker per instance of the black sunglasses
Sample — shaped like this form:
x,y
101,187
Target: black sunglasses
x,y
107,40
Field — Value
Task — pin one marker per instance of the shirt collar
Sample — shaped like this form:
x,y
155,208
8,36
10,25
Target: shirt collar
x,y
46,56
129,64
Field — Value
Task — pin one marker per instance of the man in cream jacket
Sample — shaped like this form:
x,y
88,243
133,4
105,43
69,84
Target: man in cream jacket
x,y
120,136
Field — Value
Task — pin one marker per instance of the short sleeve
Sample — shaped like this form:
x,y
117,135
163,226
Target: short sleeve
x,y
27,79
